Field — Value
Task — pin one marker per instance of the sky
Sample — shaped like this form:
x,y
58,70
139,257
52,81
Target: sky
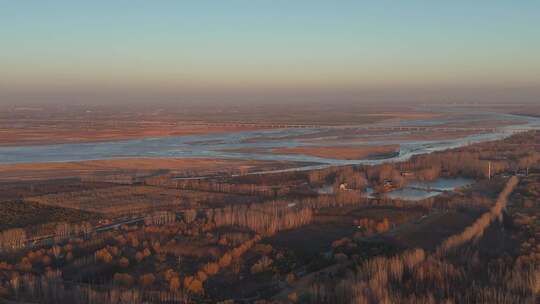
x,y
62,50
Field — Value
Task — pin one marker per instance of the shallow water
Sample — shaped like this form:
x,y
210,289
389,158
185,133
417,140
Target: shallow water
x,y
216,145
327,189
416,190
409,194
441,184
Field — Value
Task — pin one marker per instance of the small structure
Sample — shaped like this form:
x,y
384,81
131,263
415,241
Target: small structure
x,y
407,174
388,185
343,187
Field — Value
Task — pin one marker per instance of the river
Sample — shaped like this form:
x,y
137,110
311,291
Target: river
x,y
254,145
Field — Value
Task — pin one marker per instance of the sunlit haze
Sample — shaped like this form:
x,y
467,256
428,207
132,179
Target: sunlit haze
x,y
269,152
180,50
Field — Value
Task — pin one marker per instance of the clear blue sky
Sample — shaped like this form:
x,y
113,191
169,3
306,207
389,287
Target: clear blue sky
x,y
163,46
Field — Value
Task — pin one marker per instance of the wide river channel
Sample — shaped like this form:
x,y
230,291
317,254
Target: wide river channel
x,y
254,145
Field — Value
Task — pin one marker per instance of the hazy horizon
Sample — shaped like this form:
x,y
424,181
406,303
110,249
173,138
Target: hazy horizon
x,y
246,51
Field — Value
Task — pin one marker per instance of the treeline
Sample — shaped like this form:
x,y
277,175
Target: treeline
x,y
12,239
416,277
476,230
453,274
517,152
348,176
50,288
195,283
124,288
19,238
221,187
115,254
160,218
265,218
475,161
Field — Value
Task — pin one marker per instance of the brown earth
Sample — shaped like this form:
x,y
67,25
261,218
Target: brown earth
x,y
127,199
52,134
46,124
341,152
130,166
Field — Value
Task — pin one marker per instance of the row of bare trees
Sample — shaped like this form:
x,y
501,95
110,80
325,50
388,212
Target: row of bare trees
x,y
18,238
195,283
265,218
447,276
476,230
473,161
222,187
160,218
50,288
12,239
